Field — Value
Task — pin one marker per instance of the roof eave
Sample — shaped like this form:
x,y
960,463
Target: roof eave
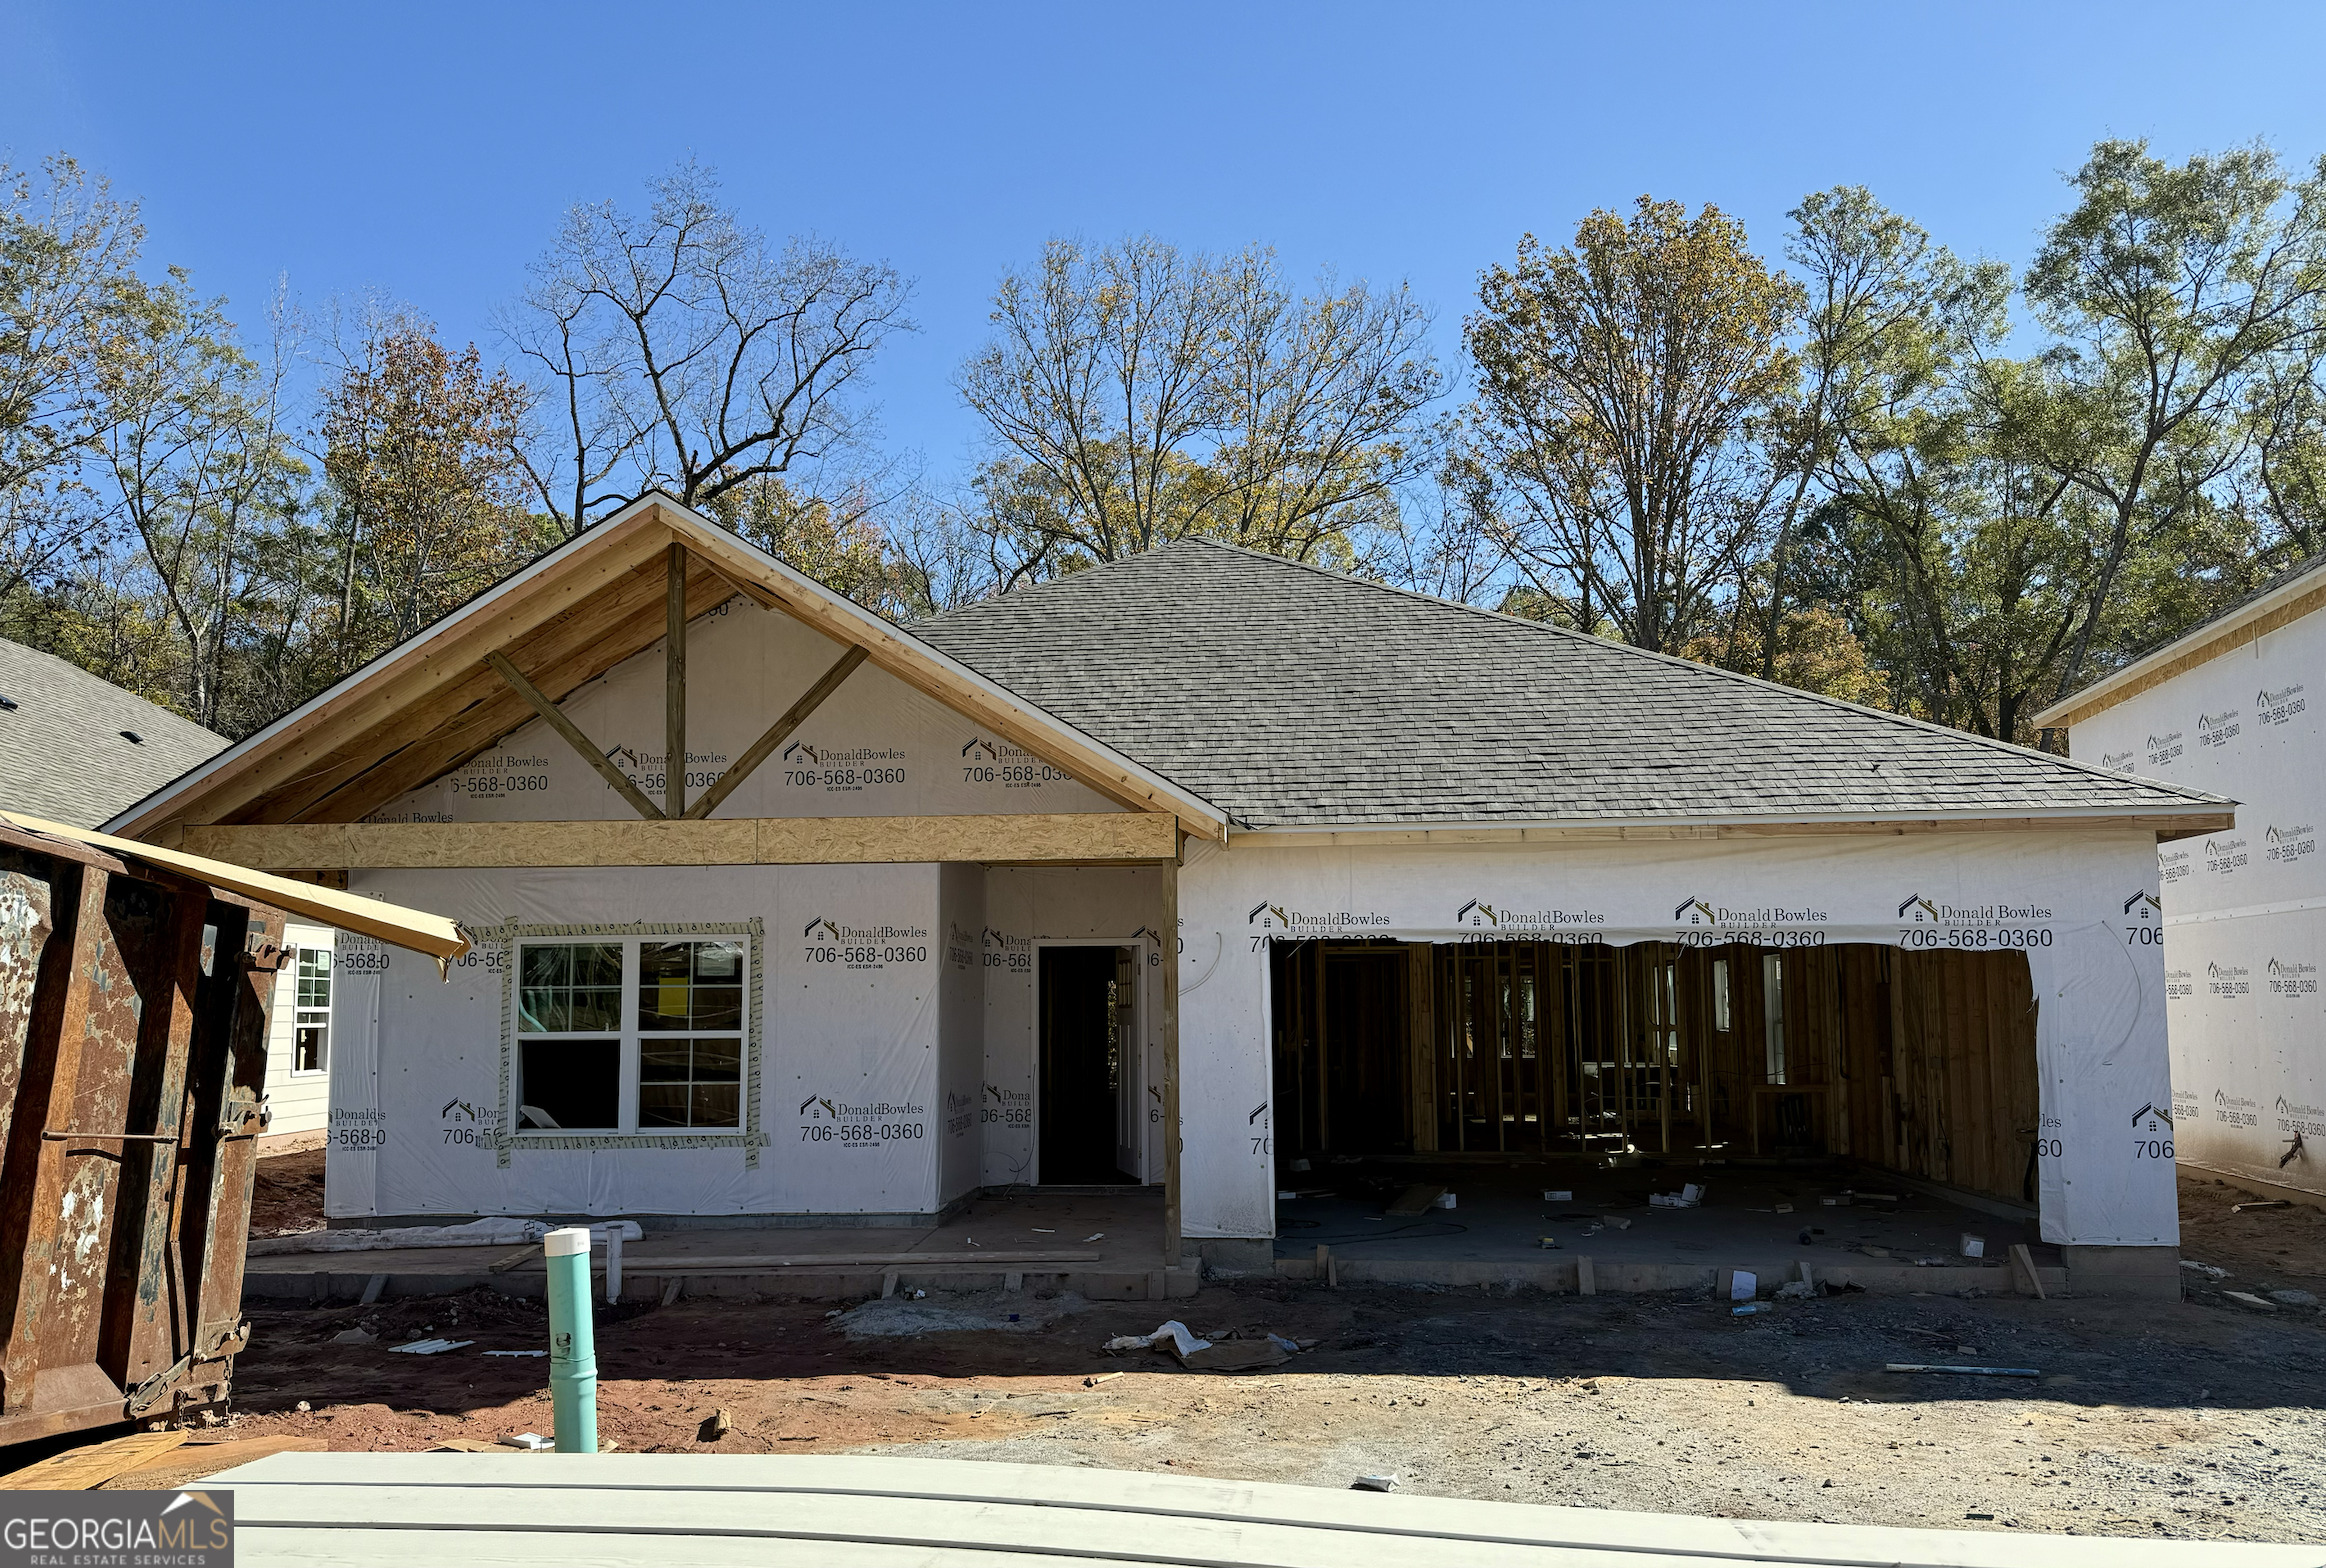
x,y
2167,821
2121,685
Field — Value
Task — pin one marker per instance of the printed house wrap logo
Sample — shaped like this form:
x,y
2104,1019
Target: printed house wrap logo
x,y
2288,978
1271,916
2218,729
2284,846
2225,856
189,1529
2178,984
1917,910
827,941
1478,915
2228,979
2144,905
1768,925
2279,707
1010,1107
986,761
2295,1116
2174,865
2118,761
2236,1110
841,770
2164,748
872,1125
1012,953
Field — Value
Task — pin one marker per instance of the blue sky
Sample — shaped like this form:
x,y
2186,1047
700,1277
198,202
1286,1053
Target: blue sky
x,y
427,151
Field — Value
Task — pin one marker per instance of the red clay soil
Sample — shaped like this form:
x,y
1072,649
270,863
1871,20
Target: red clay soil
x,y
287,1193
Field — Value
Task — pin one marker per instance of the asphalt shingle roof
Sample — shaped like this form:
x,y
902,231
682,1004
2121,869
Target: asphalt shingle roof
x,y
1292,696
63,755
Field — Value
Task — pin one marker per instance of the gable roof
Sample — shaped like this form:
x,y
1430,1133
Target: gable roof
x,y
432,702
65,751
2284,599
1300,698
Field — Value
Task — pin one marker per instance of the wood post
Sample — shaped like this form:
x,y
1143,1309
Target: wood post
x,y
571,733
674,685
764,747
1167,1035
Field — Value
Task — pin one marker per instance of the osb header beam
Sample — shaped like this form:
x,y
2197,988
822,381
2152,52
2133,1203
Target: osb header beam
x,y
735,841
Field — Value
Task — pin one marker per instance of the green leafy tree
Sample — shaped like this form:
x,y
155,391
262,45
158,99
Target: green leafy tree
x,y
1628,386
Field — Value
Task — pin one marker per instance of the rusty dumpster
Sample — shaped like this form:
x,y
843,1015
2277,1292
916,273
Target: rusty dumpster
x,y
133,1028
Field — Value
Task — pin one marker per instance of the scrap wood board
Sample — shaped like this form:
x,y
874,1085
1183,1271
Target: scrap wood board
x,y
1416,1200
851,1511
80,1469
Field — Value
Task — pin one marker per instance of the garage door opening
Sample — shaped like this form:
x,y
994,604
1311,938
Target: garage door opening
x,y
1920,1063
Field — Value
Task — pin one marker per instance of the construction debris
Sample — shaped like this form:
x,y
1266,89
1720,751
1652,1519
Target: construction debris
x,y
1415,1200
1374,1483
1688,1197
530,1442
1231,1351
430,1347
2293,1298
2260,1203
2248,1299
1911,1366
715,1426
84,1469
2206,1269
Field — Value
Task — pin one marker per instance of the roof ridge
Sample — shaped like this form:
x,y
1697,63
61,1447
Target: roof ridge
x,y
2013,748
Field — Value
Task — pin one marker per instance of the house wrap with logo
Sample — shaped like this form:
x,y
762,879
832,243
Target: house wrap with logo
x,y
1172,870
2232,708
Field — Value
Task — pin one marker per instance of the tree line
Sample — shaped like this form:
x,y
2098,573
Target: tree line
x,y
1864,465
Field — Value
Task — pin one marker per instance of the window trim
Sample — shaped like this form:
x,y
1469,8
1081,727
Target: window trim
x,y
302,1015
750,1137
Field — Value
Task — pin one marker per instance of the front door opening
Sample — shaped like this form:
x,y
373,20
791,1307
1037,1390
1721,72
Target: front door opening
x,y
1090,1066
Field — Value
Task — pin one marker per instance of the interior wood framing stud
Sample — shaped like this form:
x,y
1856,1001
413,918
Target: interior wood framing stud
x,y
764,747
674,682
555,718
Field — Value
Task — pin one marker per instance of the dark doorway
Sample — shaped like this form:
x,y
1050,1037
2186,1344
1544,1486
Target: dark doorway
x,y
1087,1023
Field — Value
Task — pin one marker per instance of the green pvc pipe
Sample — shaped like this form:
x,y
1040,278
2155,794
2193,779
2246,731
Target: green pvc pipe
x,y
573,1349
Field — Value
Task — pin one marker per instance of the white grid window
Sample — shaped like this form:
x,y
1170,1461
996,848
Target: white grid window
x,y
631,1035
311,1013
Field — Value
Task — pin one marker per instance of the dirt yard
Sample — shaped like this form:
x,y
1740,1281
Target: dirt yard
x,y
2187,1420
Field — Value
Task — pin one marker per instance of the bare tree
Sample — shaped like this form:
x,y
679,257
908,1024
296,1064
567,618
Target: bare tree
x,y
679,349
1136,393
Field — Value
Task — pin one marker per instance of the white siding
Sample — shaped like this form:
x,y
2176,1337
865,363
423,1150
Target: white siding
x,y
300,1101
